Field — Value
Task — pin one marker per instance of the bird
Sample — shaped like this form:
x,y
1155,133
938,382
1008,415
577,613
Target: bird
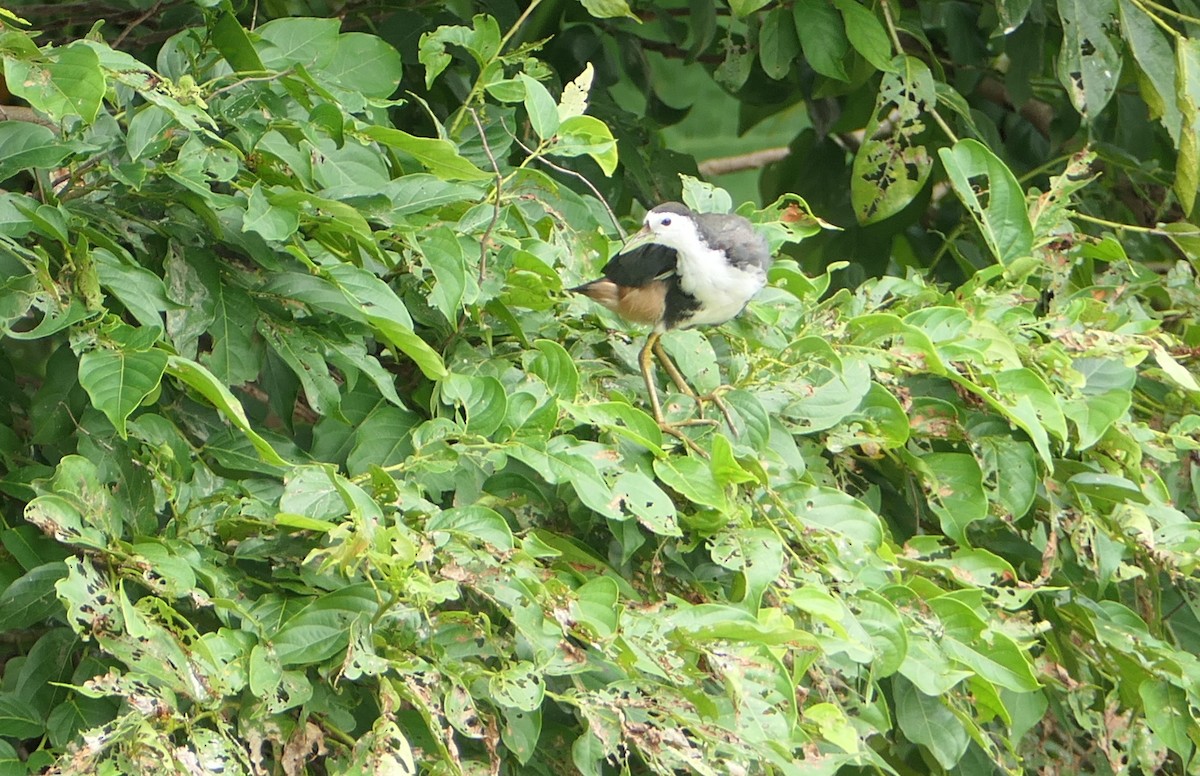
x,y
682,269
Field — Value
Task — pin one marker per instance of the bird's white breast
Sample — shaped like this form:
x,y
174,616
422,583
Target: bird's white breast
x,y
721,288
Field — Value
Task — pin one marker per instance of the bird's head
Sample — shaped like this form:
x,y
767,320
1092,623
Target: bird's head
x,y
670,224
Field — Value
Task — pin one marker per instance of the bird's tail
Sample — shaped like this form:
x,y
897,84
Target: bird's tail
x,y
602,290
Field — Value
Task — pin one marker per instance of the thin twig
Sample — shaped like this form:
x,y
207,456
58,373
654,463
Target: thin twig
x,y
1133,227
891,26
136,23
895,35
578,175
60,180
250,79
478,87
487,233
21,113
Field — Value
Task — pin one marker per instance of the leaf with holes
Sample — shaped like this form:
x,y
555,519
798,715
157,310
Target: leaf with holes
x,y
1089,62
992,195
892,166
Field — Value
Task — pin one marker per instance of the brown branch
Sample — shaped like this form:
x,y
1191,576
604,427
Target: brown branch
x,y
750,161
21,113
136,23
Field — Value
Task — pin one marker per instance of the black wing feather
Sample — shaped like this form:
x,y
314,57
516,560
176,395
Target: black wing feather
x,y
640,266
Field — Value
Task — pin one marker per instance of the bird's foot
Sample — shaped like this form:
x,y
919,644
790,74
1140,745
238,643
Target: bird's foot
x,y
715,398
675,430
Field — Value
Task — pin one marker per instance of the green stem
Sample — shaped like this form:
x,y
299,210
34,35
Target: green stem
x,y
1133,228
1142,5
460,118
895,36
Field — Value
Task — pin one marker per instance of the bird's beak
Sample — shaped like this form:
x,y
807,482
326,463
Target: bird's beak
x,y
643,236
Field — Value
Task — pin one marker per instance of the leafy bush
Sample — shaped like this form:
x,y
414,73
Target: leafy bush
x,y
311,465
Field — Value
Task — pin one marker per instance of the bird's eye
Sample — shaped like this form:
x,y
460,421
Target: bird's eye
x,y
666,222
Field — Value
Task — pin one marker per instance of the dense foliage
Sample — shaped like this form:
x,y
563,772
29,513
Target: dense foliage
x,y
309,465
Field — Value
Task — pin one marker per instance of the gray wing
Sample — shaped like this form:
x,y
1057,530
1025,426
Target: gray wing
x,y
738,238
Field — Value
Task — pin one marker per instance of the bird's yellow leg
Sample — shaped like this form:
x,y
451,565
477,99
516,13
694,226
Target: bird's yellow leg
x,y
680,383
644,360
644,363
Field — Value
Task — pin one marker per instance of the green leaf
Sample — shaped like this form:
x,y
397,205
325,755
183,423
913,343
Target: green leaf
x,y
587,135
836,512
692,479
270,221
1168,712
926,721
17,720
475,521
440,157
1178,373
366,64
482,41
147,135
637,494
1089,62
303,352
444,254
556,368
743,8
519,686
119,380
483,399
956,492
68,83
24,145
385,313
140,290
1023,388
31,598
997,659
1156,65
890,170
822,37
623,420
209,387
522,729
230,38
541,108
566,460
302,41
609,9
866,34
1187,99
778,43
992,195
1013,12
61,518
321,629
1009,467
1106,398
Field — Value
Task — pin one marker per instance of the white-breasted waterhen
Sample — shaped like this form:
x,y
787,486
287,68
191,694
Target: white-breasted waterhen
x,y
682,269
